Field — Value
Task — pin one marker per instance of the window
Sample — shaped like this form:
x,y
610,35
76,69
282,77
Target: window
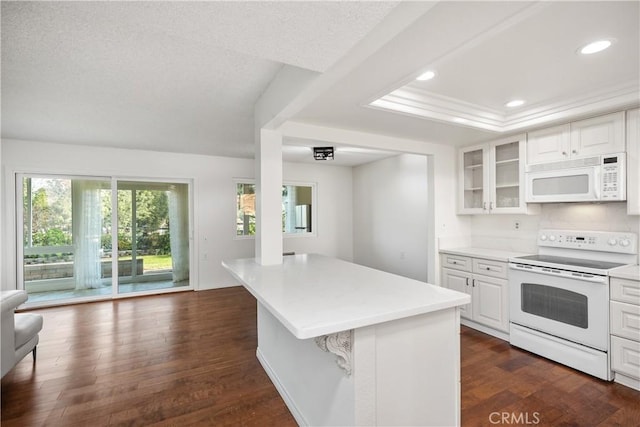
x,y
297,208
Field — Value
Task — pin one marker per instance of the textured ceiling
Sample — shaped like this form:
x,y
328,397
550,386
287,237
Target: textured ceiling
x,y
185,76
169,76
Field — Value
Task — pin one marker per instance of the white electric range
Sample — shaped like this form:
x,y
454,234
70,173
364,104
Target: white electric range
x,y
559,298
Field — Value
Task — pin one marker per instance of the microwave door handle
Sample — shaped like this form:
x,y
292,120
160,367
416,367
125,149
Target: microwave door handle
x,y
597,183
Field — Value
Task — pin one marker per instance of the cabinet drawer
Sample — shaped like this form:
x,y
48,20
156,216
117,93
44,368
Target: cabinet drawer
x,y
625,290
625,356
490,268
625,320
457,262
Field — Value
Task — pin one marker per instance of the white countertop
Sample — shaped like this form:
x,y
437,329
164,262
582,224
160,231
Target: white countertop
x,y
492,254
631,272
314,295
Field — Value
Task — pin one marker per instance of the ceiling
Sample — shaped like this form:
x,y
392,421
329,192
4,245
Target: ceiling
x,y
298,150
185,76
167,76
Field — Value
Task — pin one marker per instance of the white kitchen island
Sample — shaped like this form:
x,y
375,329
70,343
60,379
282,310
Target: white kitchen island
x,y
349,345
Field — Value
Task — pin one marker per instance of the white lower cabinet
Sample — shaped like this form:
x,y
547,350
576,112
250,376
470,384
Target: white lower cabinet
x,y
486,282
625,331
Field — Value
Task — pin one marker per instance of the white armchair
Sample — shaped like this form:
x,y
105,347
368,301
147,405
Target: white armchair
x,y
19,330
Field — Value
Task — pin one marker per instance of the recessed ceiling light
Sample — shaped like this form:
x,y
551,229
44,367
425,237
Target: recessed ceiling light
x,y
427,75
514,103
460,120
595,47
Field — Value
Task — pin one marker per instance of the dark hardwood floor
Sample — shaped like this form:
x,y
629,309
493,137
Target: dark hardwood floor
x,y
189,359
501,382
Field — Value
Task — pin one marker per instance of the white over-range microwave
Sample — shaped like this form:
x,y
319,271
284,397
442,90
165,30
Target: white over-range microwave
x,y
590,179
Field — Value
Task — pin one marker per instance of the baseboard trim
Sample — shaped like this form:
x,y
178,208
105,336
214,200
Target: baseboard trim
x,y
627,381
300,419
489,331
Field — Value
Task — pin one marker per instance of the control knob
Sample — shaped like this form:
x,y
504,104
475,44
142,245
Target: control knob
x,y
552,238
543,237
625,242
612,242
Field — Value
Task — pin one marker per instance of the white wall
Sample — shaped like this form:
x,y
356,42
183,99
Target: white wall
x,y
213,199
445,227
390,199
333,221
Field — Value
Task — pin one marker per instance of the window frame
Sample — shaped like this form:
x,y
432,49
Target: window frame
x,y
314,208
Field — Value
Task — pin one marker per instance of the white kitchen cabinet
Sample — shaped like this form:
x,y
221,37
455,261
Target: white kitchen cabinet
x,y
625,331
459,281
584,138
549,144
633,162
486,284
598,135
491,178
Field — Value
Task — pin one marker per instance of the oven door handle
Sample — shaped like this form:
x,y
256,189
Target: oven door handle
x,y
559,273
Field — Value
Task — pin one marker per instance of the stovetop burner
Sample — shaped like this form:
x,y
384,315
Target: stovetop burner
x,y
565,262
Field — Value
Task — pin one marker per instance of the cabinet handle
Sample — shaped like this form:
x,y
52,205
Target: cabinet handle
x,y
574,151
484,206
467,281
490,205
564,153
473,283
454,262
488,268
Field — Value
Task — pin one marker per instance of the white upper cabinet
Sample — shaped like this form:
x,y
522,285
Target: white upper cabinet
x,y
549,145
584,138
473,176
633,162
491,178
599,135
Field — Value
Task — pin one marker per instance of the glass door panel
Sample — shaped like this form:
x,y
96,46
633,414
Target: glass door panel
x,y
153,236
507,175
473,179
66,236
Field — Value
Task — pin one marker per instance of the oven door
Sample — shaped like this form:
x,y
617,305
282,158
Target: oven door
x,y
554,302
580,184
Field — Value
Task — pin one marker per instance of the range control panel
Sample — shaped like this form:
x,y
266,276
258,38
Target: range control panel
x,y
604,241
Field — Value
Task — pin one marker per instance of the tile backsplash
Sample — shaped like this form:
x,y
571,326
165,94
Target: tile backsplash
x,y
499,231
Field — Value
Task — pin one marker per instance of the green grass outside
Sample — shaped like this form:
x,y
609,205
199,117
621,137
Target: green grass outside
x,y
153,262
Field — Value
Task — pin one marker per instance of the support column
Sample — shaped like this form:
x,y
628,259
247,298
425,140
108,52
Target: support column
x,y
269,197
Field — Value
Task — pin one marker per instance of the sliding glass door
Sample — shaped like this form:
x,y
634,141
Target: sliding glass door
x,y
81,233
153,241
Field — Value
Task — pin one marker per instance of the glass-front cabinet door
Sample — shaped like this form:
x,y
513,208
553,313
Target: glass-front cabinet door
x,y
491,178
473,176
507,173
